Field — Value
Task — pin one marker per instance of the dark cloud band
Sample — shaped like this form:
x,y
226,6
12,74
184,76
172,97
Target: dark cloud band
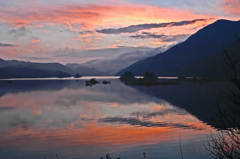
x,y
135,28
6,45
145,35
22,31
137,122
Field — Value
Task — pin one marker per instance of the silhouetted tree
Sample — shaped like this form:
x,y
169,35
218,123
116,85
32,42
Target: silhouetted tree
x,y
127,76
150,77
77,76
226,143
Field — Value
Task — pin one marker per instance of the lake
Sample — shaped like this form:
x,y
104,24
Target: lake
x,y
43,117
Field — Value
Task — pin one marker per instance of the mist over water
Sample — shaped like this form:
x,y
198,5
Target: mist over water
x,y
39,118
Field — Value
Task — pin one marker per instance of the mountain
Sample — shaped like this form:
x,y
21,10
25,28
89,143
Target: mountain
x,y
21,69
53,68
215,65
4,63
25,72
5,74
198,47
86,71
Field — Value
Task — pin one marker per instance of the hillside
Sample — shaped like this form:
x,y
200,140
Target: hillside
x,y
198,47
86,71
54,68
21,69
26,72
213,66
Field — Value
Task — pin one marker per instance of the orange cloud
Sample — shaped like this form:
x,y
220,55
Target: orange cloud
x,y
113,46
37,112
35,41
93,16
7,52
38,26
77,39
156,42
98,38
232,7
88,40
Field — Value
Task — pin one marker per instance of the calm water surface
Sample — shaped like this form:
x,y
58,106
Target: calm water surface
x,y
39,118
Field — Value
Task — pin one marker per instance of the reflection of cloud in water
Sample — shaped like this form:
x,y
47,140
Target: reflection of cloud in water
x,y
94,135
167,116
72,93
68,114
72,103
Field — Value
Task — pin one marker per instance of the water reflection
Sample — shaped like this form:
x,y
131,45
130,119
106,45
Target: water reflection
x,y
41,118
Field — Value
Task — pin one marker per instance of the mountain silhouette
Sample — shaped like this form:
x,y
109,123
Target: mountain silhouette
x,y
198,47
215,65
25,72
51,67
21,69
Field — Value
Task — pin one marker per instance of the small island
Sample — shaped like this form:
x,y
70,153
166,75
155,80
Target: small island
x,y
77,76
106,82
93,81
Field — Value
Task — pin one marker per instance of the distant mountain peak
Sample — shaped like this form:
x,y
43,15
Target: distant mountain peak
x,y
199,46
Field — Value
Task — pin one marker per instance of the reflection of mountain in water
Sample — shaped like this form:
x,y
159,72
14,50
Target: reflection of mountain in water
x,y
197,99
101,92
16,86
51,115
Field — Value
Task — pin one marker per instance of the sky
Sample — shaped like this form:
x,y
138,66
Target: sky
x,y
78,31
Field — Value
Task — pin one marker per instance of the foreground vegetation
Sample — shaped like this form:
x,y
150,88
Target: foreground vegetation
x,y
226,143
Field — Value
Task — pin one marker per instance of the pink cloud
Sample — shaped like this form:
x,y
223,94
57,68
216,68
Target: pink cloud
x,y
88,40
232,7
77,39
113,46
35,41
38,26
7,52
93,16
156,42
98,38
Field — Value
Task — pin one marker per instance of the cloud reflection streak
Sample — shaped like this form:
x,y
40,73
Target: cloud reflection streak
x,y
83,117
